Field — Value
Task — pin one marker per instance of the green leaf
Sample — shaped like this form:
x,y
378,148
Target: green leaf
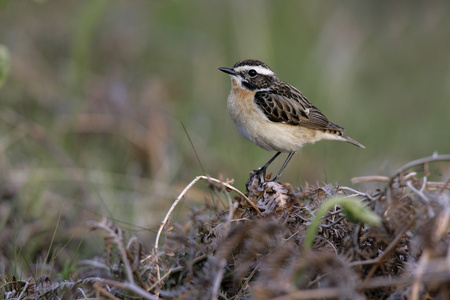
x,y
354,210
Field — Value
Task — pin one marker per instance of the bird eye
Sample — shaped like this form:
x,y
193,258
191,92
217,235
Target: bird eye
x,y
252,73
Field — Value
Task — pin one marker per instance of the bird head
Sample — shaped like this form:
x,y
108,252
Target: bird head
x,y
251,74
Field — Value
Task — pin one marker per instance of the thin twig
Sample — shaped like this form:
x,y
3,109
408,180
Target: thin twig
x,y
175,203
169,272
332,223
422,195
131,287
223,261
373,178
446,185
234,189
247,280
25,288
119,242
374,283
419,162
101,290
415,289
183,193
179,198
389,249
220,270
424,184
353,191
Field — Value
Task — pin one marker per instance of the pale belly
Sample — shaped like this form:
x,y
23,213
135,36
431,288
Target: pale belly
x,y
258,129
276,136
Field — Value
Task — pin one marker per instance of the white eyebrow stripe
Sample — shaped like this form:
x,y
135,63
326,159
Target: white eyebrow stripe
x,y
258,69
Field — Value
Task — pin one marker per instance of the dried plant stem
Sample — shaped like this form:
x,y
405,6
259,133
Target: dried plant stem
x,y
418,192
129,286
101,290
363,215
223,262
25,288
216,285
312,229
170,271
169,213
247,280
324,293
419,274
179,198
370,178
378,282
419,162
183,193
119,242
388,250
444,186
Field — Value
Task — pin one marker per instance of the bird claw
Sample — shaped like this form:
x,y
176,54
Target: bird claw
x,y
275,179
260,173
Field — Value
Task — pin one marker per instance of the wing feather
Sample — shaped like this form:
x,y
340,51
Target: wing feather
x,y
288,105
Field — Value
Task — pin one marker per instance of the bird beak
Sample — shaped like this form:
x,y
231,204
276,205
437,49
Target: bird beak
x,y
230,71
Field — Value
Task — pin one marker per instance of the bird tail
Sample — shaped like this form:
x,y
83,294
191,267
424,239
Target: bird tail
x,y
352,141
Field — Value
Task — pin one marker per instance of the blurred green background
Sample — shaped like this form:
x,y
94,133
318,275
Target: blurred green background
x,y
100,94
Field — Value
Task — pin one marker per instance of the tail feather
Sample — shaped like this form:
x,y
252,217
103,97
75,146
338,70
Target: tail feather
x,y
352,141
338,130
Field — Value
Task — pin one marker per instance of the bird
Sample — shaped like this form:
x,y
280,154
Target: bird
x,y
274,115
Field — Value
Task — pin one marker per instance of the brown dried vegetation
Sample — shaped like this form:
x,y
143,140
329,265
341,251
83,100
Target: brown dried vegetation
x,y
256,248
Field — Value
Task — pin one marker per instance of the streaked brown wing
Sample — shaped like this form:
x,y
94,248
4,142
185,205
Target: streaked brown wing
x,y
288,105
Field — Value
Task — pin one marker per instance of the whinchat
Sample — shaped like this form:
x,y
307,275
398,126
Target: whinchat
x,y
274,115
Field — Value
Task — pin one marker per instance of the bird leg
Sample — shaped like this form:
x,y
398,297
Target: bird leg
x,y
262,171
275,179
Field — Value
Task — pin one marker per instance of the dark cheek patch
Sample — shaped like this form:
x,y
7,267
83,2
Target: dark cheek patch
x,y
248,85
258,82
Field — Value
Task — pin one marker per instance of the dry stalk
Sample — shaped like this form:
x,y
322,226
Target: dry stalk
x,y
179,198
223,261
389,249
370,178
119,242
101,290
130,287
183,193
24,289
252,246
419,274
374,283
419,162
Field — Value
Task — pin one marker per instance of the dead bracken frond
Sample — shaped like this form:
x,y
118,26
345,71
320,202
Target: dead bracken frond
x,y
280,242
12,288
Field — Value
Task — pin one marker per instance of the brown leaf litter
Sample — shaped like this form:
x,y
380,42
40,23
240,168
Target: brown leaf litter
x,y
255,248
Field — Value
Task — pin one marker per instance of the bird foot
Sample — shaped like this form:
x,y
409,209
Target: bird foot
x,y
257,177
275,179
